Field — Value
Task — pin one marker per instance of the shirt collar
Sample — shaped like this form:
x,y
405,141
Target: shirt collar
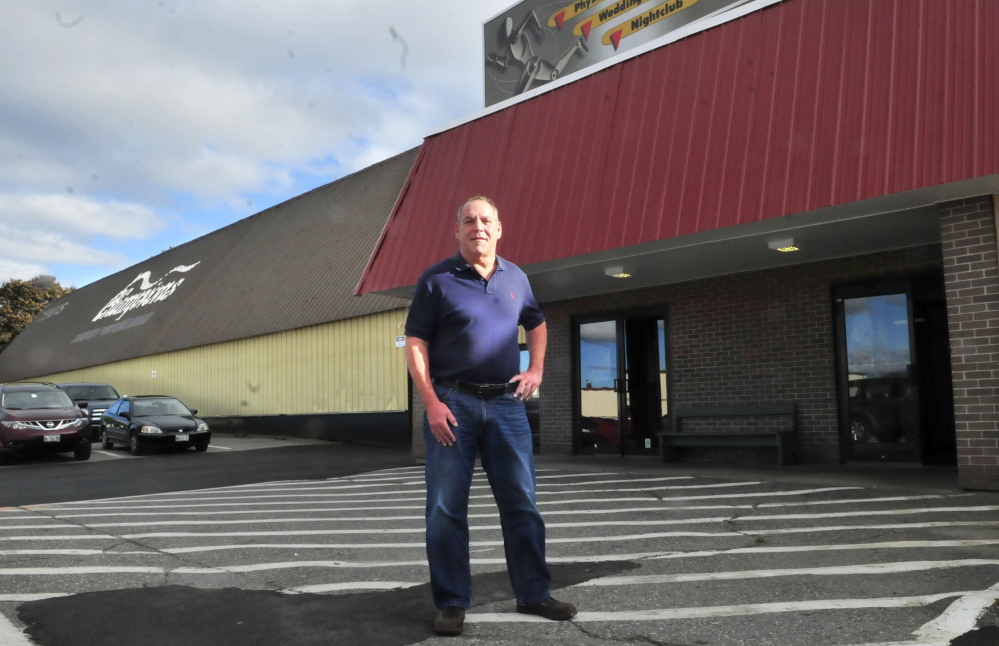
x,y
460,264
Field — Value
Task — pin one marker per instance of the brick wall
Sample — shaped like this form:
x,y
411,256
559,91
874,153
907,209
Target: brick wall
x,y
757,337
968,236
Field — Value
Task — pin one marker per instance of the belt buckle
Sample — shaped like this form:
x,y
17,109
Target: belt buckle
x,y
483,390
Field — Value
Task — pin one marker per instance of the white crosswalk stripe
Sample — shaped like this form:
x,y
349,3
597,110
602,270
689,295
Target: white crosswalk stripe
x,y
365,533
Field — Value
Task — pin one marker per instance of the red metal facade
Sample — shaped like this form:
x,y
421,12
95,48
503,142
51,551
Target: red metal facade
x,y
800,106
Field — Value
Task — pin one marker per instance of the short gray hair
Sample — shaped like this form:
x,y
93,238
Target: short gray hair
x,y
479,198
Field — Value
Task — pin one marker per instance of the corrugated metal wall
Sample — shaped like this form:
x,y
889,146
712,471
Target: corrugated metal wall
x,y
348,366
797,107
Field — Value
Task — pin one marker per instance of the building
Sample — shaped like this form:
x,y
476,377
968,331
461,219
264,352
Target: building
x,y
255,325
789,202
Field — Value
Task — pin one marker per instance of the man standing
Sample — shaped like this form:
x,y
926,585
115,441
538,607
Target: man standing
x,y
463,355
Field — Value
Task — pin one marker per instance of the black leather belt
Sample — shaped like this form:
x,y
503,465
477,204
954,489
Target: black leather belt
x,y
482,391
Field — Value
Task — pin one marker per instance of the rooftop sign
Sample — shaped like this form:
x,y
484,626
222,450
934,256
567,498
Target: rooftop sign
x,y
538,41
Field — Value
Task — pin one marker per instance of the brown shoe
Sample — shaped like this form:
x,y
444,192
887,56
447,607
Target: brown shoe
x,y
550,609
450,621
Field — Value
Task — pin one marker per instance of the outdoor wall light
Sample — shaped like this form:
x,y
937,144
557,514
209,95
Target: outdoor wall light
x,y
785,245
616,272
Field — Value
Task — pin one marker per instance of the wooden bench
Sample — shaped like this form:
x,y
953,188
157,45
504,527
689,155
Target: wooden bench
x,y
785,440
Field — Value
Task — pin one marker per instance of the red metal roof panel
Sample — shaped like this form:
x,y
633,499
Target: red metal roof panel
x,y
802,105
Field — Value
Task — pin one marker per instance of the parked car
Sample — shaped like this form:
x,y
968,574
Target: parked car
x,y
883,408
37,416
145,421
97,397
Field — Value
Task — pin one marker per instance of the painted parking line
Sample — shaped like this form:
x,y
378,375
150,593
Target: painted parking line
x,y
68,552
353,585
10,635
580,539
838,570
652,507
888,545
22,598
611,523
672,614
216,446
49,526
80,569
111,455
233,500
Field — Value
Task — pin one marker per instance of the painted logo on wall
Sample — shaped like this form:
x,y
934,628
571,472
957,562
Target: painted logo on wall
x,y
145,293
539,41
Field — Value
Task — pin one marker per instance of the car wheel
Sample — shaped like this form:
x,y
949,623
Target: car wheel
x,y
82,452
106,442
860,431
201,447
134,445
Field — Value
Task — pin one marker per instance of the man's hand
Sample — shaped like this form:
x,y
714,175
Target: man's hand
x,y
439,416
529,381
441,420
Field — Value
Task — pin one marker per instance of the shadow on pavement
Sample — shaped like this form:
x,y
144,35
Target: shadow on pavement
x,y
171,615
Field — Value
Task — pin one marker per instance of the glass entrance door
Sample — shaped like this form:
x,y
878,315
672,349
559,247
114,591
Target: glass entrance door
x,y
882,402
622,384
600,391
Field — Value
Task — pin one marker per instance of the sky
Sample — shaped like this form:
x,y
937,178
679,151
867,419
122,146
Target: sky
x,y
877,335
130,127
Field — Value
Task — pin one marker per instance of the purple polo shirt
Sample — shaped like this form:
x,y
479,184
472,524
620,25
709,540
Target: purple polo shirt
x,y
470,324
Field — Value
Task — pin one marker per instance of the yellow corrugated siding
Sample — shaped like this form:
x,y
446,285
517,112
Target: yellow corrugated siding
x,y
348,366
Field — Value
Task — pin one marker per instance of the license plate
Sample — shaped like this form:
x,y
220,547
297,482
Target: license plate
x,y
51,438
182,438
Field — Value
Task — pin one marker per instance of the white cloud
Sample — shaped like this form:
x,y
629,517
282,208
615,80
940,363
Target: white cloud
x,y
19,270
39,231
56,216
180,108
32,246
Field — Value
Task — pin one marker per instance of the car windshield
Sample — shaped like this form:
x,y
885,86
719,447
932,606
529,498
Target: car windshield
x,y
32,399
86,393
153,407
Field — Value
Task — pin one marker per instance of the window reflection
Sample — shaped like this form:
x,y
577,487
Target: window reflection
x,y
882,392
598,400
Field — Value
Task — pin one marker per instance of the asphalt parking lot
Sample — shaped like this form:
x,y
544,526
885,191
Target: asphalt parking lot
x,y
689,556
221,442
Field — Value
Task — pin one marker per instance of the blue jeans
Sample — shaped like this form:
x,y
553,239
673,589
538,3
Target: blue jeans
x,y
498,431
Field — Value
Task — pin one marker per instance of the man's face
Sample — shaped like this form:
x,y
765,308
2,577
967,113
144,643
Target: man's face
x,y
478,229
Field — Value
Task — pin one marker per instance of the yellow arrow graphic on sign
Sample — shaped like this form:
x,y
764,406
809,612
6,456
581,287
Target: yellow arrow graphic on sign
x,y
570,11
614,35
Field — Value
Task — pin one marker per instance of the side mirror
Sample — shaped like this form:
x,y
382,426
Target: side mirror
x,y
194,411
81,404
127,415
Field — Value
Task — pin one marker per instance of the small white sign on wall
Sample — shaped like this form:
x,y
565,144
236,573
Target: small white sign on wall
x,y
153,374
400,342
